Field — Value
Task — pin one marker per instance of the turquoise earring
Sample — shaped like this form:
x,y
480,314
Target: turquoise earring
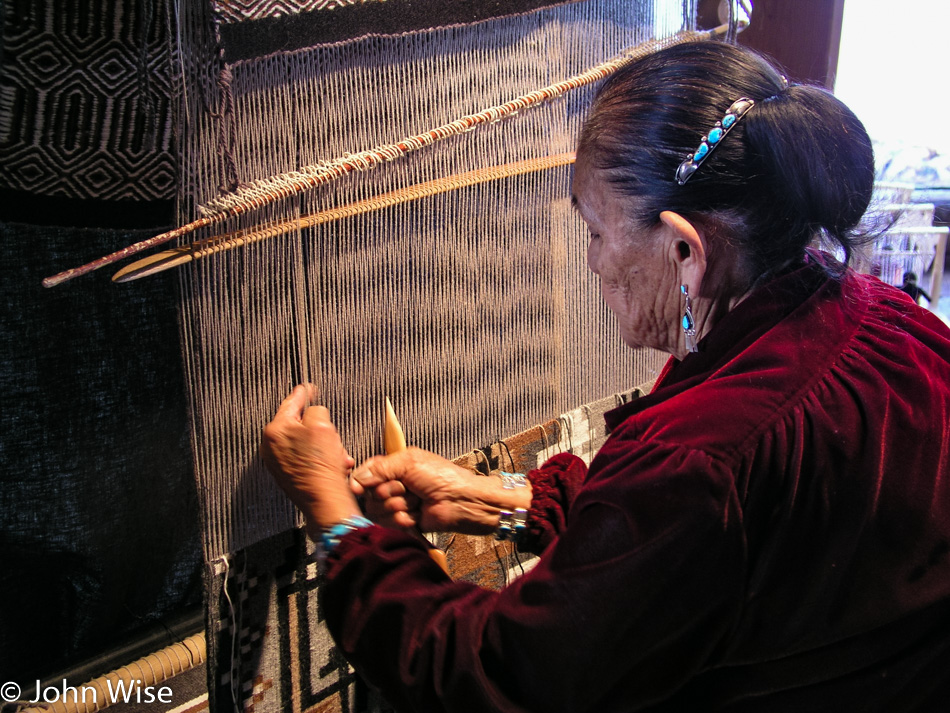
x,y
689,324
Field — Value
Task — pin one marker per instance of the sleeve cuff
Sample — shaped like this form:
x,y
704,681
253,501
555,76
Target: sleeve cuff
x,y
553,489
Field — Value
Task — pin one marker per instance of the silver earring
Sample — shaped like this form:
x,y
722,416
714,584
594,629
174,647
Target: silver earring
x,y
689,324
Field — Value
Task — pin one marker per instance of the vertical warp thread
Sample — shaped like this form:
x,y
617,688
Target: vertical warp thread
x,y
473,310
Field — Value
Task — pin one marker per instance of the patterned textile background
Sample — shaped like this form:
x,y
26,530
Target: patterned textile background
x,y
99,534
85,113
271,650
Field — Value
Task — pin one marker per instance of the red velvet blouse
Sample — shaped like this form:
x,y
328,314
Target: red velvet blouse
x,y
769,530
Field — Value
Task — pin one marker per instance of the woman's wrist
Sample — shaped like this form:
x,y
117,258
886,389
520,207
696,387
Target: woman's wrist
x,y
334,505
329,537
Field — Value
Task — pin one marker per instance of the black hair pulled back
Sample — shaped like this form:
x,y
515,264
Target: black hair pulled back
x,y
797,166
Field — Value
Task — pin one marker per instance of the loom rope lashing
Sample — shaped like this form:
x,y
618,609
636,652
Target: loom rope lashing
x,y
257,194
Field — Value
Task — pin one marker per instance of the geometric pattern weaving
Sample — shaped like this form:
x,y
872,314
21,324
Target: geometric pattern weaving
x,y
228,11
270,649
85,100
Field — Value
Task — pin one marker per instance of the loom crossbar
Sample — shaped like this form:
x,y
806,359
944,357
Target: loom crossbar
x,y
182,255
270,190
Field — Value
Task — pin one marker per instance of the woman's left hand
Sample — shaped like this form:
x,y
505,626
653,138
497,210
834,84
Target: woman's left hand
x,y
416,488
303,451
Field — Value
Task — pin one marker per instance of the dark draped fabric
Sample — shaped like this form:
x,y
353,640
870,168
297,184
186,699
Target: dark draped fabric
x,y
99,535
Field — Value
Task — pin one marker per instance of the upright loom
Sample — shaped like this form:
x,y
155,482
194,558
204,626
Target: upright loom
x,y
378,201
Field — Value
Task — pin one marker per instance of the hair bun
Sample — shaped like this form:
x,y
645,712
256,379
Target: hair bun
x,y
815,157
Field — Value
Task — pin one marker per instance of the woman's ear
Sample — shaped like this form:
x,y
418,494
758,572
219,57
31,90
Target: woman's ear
x,y
687,249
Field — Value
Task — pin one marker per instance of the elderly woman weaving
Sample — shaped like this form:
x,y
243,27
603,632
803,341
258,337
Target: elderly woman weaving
x,y
768,530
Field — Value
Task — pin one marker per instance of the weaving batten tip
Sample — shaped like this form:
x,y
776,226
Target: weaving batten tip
x,y
129,251
394,440
154,264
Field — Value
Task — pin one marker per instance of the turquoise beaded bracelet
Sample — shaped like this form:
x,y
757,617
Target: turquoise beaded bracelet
x,y
330,537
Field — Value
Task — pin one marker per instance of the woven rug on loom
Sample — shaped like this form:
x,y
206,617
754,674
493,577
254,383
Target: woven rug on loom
x,y
485,561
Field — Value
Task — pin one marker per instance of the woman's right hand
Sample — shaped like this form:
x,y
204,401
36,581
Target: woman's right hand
x,y
416,488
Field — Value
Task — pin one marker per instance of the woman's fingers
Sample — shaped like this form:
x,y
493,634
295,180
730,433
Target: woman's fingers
x,y
372,472
413,465
381,491
293,406
392,495
316,415
396,504
396,512
390,504
302,449
404,520
390,489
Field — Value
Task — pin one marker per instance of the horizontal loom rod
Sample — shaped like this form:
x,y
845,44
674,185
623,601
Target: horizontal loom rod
x,y
167,259
266,191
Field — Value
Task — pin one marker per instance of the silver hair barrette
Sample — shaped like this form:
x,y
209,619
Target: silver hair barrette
x,y
709,143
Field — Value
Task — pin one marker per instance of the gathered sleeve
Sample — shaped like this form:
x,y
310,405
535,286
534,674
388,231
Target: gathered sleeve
x,y
623,607
554,486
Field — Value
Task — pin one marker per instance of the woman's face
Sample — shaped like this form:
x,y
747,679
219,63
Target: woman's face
x,y
637,279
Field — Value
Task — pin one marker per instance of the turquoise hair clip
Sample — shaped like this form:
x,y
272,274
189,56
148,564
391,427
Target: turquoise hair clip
x,y
709,143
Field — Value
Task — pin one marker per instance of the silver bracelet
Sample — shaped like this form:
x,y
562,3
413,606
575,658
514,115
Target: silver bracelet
x,y
510,481
511,524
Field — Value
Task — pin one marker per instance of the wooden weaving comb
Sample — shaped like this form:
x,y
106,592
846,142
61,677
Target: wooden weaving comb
x,y
394,440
